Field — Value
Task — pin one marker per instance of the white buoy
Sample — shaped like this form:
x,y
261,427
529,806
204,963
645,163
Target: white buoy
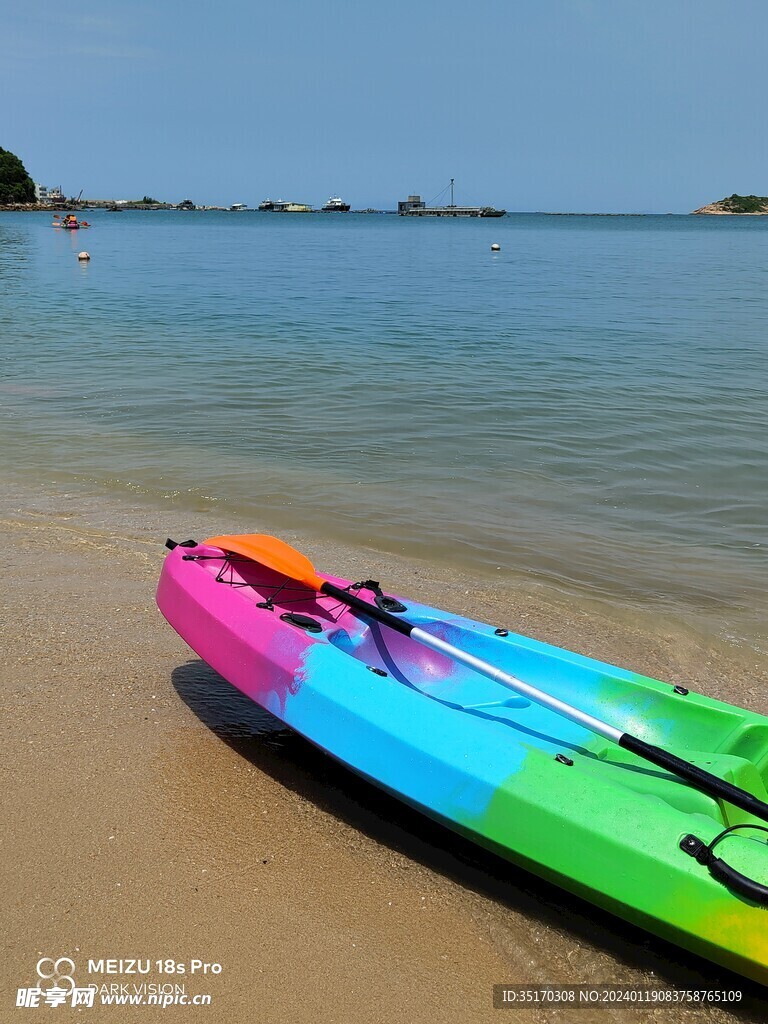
x,y
83,256
495,247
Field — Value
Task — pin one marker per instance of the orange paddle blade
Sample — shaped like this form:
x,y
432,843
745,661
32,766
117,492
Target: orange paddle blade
x,y
274,554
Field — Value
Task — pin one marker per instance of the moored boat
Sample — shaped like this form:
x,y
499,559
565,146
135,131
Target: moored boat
x,y
402,694
335,205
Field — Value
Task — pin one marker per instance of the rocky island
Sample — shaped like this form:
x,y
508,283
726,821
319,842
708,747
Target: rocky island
x,y
737,204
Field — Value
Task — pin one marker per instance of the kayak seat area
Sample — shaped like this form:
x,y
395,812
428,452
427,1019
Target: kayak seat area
x,y
428,671
728,747
750,741
654,782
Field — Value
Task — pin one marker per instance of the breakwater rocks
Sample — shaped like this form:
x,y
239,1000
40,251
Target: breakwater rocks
x,y
32,207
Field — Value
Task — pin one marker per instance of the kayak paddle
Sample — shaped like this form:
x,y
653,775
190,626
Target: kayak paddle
x,y
275,554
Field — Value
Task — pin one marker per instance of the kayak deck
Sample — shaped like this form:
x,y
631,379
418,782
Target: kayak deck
x,y
710,733
518,778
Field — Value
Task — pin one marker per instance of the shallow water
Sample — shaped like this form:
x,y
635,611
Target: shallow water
x,y
586,409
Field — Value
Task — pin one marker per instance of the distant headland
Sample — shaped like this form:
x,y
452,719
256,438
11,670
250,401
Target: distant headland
x,y
737,204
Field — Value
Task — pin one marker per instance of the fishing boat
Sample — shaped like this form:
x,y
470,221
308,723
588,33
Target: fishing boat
x,y
335,205
521,746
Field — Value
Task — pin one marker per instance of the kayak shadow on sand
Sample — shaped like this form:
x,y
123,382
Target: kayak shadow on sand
x,y
296,764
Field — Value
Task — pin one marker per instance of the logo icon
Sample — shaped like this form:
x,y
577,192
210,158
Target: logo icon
x,y
57,971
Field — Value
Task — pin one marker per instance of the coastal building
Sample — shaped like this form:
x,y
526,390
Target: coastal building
x,y
43,194
410,205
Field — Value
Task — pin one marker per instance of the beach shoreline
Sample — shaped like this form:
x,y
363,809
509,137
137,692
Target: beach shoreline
x,y
156,812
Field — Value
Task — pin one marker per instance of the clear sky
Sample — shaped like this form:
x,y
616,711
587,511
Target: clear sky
x,y
604,105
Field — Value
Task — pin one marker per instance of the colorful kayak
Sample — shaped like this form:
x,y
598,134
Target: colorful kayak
x,y
515,776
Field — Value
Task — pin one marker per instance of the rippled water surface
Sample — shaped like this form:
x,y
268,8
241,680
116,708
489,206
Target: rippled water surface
x,y
588,407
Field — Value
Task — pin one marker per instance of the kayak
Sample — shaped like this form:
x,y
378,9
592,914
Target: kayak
x,y
517,777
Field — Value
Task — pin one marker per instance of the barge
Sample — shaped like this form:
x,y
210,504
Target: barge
x,y
414,206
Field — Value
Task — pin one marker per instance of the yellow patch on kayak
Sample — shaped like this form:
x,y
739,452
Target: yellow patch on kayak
x,y
742,931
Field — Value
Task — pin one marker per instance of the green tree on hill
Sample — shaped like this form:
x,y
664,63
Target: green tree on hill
x,y
745,204
16,186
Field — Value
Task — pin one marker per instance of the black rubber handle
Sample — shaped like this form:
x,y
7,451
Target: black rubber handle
x,y
733,879
171,544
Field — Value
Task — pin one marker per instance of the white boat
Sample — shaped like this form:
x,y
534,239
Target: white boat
x,y
336,205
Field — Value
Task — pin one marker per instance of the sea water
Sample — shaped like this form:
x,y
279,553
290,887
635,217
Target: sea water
x,y
587,408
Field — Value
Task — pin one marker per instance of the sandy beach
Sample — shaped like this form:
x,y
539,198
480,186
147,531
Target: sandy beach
x,y
551,424
153,812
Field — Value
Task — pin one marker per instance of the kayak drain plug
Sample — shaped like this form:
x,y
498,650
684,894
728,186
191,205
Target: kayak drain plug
x,y
376,671
681,691
501,632
563,759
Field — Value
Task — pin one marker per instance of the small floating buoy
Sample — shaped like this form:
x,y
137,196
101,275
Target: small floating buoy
x,y
83,256
495,247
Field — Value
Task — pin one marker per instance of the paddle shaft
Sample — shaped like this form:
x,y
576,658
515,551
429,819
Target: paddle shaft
x,y
705,781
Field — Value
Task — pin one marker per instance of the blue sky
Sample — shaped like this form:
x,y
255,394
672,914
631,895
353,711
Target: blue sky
x,y
584,105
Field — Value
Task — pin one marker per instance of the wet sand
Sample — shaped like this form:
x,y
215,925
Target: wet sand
x,y
153,812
